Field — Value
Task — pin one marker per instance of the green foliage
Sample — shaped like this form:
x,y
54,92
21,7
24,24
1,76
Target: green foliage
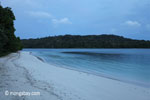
x,y
88,41
8,41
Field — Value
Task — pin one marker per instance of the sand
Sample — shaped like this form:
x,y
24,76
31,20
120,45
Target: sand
x,y
24,72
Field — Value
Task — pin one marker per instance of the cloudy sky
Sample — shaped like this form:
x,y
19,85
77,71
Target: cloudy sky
x,y
39,18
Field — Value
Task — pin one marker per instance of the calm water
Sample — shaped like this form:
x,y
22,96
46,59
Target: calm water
x,y
128,65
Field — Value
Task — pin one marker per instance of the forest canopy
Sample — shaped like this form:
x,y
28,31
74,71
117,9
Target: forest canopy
x,y
8,41
87,41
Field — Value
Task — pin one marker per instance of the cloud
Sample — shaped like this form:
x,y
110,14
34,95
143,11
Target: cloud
x,y
148,26
132,23
61,21
22,3
40,14
45,15
113,30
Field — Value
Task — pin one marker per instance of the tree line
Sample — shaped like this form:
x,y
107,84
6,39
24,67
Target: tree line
x,y
8,41
87,41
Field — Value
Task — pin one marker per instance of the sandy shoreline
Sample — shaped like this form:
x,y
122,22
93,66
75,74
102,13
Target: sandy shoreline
x,y
16,78
29,73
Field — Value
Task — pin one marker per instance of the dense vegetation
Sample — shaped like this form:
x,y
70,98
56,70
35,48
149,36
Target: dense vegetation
x,y
8,41
88,41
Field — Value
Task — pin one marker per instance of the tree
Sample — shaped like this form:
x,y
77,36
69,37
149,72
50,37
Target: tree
x,y
87,41
8,41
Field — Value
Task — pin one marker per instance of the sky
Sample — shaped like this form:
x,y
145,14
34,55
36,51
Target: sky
x,y
40,18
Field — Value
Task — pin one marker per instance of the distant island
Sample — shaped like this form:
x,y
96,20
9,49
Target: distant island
x,y
87,41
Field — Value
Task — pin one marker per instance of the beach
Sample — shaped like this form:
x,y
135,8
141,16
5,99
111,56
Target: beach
x,y
22,71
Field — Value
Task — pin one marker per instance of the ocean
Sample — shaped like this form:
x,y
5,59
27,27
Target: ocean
x,y
126,65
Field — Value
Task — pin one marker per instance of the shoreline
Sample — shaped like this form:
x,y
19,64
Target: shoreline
x,y
69,84
99,75
18,80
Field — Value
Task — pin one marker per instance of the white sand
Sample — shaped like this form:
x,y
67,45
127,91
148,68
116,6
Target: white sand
x,y
60,83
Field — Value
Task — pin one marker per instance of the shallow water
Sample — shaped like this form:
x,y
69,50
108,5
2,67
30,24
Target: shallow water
x,y
129,65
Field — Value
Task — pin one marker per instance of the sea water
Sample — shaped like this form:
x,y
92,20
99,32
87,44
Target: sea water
x,y
127,65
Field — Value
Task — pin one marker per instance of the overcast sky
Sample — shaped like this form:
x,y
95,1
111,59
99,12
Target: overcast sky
x,y
39,18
